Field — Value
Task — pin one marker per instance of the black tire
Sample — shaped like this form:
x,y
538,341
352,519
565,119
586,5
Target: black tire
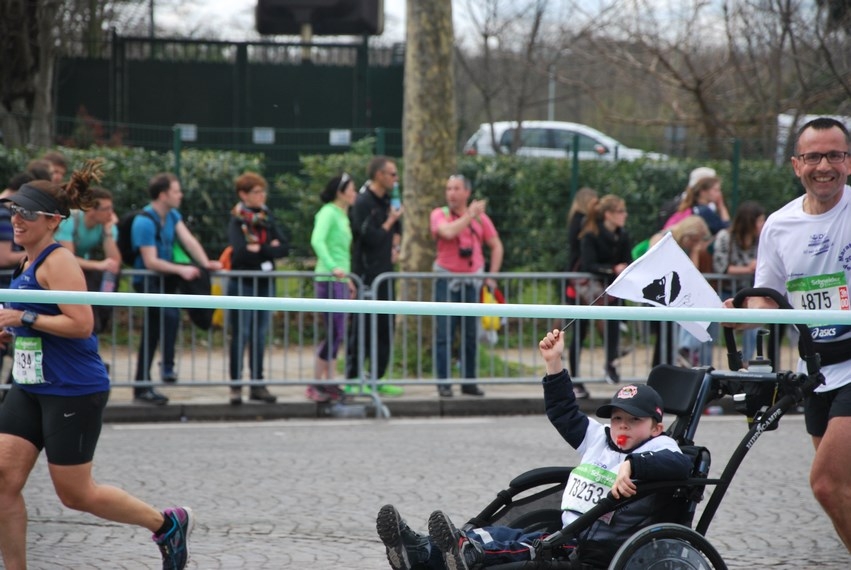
x,y
667,546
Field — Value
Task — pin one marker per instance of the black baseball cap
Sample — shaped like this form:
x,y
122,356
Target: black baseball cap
x,y
640,400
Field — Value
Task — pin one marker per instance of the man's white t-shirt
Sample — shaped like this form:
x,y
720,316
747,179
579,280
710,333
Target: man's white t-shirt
x,y
809,258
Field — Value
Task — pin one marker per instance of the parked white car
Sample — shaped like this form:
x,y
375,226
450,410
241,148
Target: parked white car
x,y
552,139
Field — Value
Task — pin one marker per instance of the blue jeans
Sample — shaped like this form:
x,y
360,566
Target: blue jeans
x,y
748,347
248,328
383,337
155,321
503,544
749,344
448,325
702,349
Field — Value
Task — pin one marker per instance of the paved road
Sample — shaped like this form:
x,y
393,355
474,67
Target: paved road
x,y
304,493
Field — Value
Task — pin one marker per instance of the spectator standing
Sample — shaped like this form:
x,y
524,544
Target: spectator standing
x,y
61,386
734,253
153,234
803,253
376,235
461,228
605,251
705,199
331,241
91,236
58,165
257,242
670,207
11,253
40,169
582,203
693,237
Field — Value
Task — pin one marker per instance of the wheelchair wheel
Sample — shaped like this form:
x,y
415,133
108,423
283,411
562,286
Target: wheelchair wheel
x,y
667,547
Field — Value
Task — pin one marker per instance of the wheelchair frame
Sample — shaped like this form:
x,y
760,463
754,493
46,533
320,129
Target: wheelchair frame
x,y
765,397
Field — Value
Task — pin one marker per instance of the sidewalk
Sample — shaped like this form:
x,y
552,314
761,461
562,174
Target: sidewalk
x,y
211,403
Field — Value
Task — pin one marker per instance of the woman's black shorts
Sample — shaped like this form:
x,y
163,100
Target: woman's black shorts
x,y
66,427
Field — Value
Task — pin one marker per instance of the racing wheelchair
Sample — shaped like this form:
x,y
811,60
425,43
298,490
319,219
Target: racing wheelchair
x,y
671,541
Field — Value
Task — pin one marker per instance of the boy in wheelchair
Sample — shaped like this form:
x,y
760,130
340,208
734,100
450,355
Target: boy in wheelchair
x,y
633,446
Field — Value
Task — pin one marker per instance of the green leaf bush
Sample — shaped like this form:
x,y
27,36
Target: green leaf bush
x,y
528,199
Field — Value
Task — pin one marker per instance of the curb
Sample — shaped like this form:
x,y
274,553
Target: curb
x,y
401,408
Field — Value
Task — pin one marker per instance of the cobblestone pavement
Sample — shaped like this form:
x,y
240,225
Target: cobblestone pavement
x,y
304,493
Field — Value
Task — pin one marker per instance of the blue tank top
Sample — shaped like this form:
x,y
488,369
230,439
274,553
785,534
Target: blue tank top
x,y
51,364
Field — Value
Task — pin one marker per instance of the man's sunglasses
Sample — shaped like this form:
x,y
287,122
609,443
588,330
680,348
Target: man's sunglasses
x,y
29,215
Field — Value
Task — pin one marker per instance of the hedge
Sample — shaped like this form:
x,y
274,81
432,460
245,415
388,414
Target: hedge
x,y
528,198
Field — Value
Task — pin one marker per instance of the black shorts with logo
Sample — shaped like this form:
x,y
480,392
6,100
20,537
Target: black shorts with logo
x,y
66,427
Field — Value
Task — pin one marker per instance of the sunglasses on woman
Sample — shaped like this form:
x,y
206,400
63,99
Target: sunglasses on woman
x,y
29,215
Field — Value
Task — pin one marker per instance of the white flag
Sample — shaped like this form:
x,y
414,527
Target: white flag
x,y
666,277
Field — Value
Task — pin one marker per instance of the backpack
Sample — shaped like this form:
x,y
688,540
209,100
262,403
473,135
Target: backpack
x,y
125,241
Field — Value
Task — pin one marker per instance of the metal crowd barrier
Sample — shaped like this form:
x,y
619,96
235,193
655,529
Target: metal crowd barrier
x,y
202,356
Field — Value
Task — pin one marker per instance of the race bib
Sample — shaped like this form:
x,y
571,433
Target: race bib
x,y
821,293
27,368
586,485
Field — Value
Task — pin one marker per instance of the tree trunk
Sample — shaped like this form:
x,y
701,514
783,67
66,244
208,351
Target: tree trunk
x,y
27,55
41,131
429,125
428,128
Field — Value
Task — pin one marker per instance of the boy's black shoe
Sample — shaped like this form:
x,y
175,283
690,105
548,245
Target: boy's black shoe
x,y
458,552
406,549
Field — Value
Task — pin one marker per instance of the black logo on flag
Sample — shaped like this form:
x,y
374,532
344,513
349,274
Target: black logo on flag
x,y
663,291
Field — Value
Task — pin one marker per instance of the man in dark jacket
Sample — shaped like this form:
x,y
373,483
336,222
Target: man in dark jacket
x,y
376,235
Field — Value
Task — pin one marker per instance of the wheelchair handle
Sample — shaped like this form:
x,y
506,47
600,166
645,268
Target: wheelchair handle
x,y
806,347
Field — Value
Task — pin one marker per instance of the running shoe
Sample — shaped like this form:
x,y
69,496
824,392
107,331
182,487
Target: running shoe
x,y
611,374
174,545
317,394
357,389
150,396
335,393
262,394
390,390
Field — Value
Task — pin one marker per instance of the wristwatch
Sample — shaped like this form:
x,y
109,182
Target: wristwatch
x,y
28,318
